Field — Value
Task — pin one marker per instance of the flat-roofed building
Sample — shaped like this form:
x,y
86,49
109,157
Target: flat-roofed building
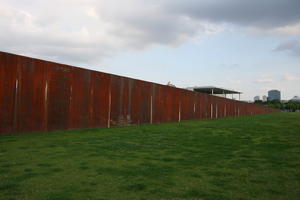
x,y
216,91
274,95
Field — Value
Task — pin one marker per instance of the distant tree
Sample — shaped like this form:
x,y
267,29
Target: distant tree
x,y
291,105
258,102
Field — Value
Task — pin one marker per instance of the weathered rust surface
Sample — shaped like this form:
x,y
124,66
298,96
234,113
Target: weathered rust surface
x,y
80,98
8,92
120,104
37,95
140,110
30,99
59,90
100,100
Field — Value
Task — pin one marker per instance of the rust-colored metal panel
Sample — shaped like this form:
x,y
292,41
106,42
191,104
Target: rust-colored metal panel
x,y
214,103
219,107
8,91
59,79
174,105
162,104
141,95
201,106
136,102
158,110
231,108
120,89
187,105
204,106
100,96
80,98
37,95
146,102
31,108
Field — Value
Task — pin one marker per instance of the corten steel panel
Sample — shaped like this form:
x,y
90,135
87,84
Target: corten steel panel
x,y
194,105
120,104
205,106
183,104
187,105
237,108
231,108
219,107
190,106
164,103
80,98
214,103
136,95
158,102
161,104
156,110
8,84
141,102
31,115
225,107
244,109
202,106
100,105
37,95
198,106
174,104
209,107
145,102
167,102
59,79
168,96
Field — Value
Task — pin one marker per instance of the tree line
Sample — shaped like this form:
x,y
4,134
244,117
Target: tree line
x,y
291,106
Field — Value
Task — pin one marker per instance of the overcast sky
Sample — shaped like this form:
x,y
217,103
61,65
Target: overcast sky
x,y
250,46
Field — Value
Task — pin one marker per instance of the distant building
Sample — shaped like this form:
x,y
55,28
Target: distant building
x,y
256,98
264,98
274,95
216,91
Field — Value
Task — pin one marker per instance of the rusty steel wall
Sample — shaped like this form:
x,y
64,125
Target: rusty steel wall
x,y
37,96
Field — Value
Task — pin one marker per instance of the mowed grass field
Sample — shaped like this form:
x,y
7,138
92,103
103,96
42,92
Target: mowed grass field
x,y
253,157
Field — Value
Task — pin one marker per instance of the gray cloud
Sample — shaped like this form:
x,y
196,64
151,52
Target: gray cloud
x,y
85,31
261,13
292,46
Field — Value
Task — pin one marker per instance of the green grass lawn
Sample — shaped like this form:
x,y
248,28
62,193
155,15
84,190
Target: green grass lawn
x,y
253,157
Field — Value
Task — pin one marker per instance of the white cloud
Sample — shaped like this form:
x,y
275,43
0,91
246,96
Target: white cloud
x,y
85,31
291,77
234,81
291,29
264,80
